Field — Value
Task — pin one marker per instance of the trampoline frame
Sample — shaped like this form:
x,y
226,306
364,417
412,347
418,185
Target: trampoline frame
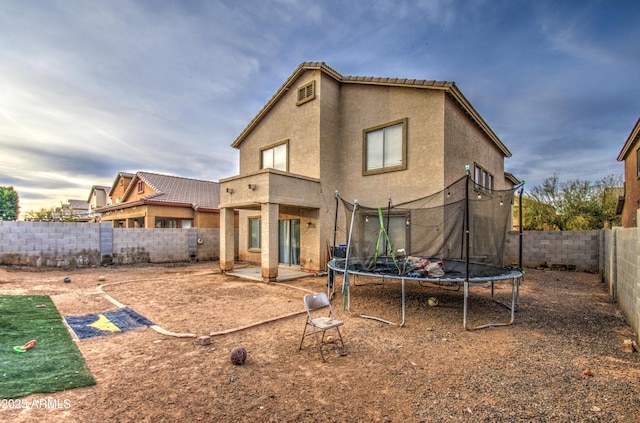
x,y
514,276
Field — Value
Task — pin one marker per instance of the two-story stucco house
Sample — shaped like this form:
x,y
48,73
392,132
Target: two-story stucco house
x,y
629,204
366,137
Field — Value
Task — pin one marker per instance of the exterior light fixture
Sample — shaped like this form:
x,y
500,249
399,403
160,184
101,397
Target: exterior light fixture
x,y
252,187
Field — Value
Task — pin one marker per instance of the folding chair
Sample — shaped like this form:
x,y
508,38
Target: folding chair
x,y
313,303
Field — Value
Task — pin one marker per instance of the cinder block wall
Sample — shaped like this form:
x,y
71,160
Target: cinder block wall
x,y
622,249
55,244
49,244
572,248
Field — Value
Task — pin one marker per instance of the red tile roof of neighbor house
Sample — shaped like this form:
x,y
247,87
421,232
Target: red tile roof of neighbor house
x,y
449,87
173,190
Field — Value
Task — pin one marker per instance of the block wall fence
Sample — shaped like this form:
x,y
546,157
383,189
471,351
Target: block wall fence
x,y
612,253
70,244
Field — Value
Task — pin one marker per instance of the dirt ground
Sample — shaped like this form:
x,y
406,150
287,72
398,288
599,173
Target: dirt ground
x,y
429,370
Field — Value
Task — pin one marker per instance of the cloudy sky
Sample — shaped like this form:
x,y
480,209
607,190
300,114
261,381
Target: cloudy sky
x,y
92,88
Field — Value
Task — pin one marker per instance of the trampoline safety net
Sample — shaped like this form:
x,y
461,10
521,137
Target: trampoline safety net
x,y
463,228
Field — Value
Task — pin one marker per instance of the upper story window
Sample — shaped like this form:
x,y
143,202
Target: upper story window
x,y
385,148
483,177
638,161
140,187
275,157
307,92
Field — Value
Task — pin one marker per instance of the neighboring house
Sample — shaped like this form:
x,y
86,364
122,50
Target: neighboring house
x,y
99,197
366,137
629,203
119,187
152,200
77,210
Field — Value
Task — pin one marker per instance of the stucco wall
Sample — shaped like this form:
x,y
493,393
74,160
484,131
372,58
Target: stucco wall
x,y
465,145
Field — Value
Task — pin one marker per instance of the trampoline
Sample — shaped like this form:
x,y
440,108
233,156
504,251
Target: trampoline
x,y
452,239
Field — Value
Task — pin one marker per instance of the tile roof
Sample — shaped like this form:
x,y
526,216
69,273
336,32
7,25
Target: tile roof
x,y
449,87
78,204
175,189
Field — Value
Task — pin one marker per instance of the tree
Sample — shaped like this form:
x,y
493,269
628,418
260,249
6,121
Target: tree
x,y
52,214
540,206
8,203
574,205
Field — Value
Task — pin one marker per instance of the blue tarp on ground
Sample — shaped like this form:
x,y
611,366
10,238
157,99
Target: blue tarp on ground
x,y
107,323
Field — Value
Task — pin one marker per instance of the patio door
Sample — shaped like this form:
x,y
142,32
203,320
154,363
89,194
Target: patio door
x,y
289,241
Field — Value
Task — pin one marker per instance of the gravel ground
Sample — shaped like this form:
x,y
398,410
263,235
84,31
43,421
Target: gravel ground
x,y
561,361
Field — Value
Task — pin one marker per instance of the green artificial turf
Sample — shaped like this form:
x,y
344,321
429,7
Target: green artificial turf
x,y
54,364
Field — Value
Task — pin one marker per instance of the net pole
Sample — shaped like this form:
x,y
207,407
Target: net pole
x,y
386,229
466,260
331,273
335,220
520,229
345,279
466,224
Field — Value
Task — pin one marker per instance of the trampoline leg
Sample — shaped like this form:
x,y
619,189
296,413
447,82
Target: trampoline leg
x,y
464,308
514,289
403,303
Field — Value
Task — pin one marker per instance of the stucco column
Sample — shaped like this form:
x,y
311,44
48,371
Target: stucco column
x,y
269,247
227,239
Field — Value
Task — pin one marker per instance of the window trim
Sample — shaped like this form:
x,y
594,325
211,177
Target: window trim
x,y
365,132
302,96
250,248
272,146
487,177
140,187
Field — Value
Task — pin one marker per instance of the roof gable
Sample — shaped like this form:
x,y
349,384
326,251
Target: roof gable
x,y
633,137
98,188
119,177
449,87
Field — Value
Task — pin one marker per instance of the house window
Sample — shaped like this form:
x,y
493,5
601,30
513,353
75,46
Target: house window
x,y
140,187
172,223
254,233
306,93
397,227
483,178
275,157
638,161
385,148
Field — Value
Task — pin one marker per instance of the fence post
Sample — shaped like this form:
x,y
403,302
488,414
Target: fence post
x,y
106,243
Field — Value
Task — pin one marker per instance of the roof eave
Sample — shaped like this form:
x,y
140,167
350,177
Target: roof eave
x,y
448,87
470,111
633,136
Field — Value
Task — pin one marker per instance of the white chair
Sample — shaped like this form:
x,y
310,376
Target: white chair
x,y
314,303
